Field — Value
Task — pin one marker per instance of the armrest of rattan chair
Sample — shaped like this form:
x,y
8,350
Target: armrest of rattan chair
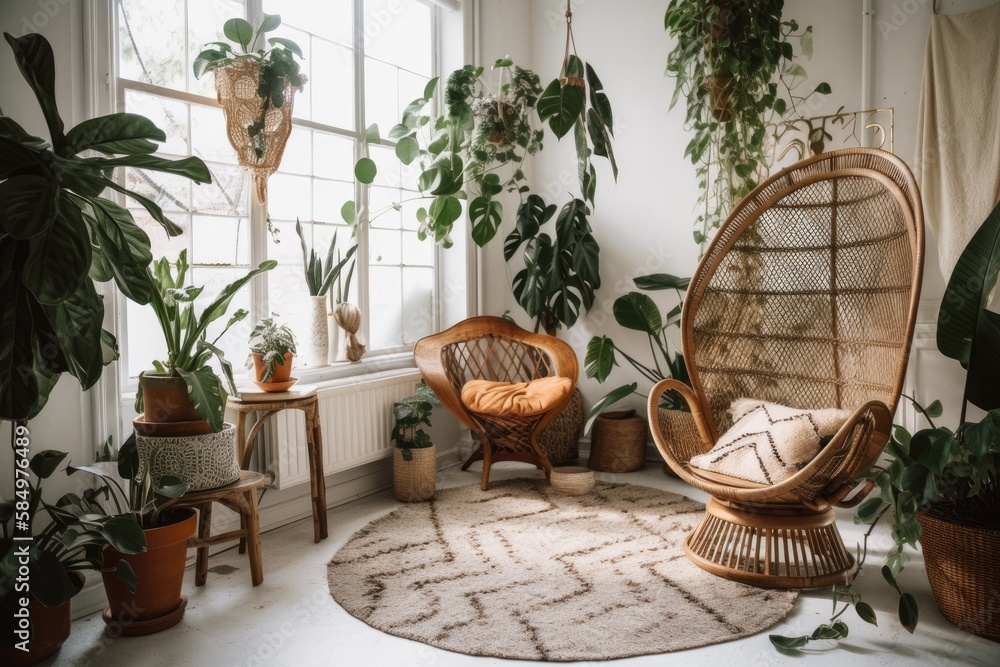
x,y
678,451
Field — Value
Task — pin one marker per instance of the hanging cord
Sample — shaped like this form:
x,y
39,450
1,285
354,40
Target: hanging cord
x,y
570,40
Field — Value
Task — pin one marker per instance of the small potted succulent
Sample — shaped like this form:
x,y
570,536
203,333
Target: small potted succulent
x,y
414,461
272,347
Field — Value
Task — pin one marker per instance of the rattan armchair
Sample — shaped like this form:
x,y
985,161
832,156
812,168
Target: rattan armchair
x,y
806,297
492,348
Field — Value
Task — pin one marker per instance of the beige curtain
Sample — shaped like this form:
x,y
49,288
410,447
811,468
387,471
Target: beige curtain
x,y
958,128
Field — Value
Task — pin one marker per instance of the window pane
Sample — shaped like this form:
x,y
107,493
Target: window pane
x,y
331,80
168,191
151,42
385,246
169,115
289,197
329,198
333,156
417,252
234,343
209,140
330,19
220,241
381,95
418,304
145,340
380,203
399,32
163,245
205,21
385,297
227,193
297,158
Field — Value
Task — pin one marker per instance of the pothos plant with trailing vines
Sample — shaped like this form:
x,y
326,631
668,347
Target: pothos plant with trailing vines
x,y
738,69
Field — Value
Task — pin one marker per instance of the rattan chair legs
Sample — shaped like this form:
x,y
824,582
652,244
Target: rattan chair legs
x,y
771,546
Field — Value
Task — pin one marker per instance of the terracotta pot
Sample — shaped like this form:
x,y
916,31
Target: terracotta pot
x,y
159,571
165,399
282,372
50,628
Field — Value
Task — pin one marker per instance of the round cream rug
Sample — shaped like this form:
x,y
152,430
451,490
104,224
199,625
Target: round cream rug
x,y
521,572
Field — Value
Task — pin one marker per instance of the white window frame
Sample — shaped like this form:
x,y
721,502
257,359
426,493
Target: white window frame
x,y
103,27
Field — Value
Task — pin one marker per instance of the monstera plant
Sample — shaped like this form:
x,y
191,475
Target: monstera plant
x,y
58,235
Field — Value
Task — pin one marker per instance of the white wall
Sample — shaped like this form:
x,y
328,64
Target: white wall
x,y
643,223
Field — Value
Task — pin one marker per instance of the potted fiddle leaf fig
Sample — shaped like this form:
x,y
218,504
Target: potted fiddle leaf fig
x,y
264,121
183,387
57,233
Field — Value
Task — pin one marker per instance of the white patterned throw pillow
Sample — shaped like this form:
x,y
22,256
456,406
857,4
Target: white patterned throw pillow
x,y
768,442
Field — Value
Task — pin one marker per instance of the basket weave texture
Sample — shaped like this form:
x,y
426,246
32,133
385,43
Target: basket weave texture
x,y
618,443
572,480
236,87
560,440
414,481
962,568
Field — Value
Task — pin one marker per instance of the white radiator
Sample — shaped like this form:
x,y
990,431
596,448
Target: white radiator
x,y
356,419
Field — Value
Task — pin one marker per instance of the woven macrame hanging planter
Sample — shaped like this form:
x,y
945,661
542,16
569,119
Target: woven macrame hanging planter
x,y
236,85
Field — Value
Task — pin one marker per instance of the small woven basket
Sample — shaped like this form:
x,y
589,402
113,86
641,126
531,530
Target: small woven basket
x,y
962,568
560,439
618,443
414,481
572,480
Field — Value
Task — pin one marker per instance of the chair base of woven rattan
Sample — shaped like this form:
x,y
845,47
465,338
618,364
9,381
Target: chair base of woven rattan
x,y
510,439
771,546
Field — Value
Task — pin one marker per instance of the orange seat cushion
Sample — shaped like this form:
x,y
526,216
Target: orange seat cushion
x,y
524,399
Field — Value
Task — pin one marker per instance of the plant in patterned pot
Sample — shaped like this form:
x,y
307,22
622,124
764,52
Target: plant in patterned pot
x,y
414,461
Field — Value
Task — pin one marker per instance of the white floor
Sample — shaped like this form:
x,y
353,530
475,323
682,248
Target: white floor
x,y
291,620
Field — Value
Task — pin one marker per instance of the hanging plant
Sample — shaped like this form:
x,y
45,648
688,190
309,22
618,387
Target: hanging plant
x,y
462,153
563,105
257,92
738,69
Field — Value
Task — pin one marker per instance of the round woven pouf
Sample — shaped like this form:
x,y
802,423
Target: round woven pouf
x,y
572,480
618,443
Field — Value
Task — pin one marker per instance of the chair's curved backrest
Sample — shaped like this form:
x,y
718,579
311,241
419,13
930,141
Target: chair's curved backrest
x,y
808,294
489,348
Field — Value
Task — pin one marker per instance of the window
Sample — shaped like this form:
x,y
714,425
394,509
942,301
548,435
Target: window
x,y
365,60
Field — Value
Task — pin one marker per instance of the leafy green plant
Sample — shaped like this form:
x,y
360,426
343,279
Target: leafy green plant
x,y
562,272
70,541
462,152
319,274
58,235
273,341
563,105
186,335
278,67
952,474
738,69
638,312
410,413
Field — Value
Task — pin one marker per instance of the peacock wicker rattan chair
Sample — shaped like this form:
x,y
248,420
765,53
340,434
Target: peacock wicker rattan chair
x,y
806,297
492,348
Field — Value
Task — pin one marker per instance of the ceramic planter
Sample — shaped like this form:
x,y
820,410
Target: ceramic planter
x,y
157,603
282,372
202,461
50,627
314,345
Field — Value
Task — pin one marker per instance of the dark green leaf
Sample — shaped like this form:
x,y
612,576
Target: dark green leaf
x,y
788,643
407,150
239,31
870,509
661,281
45,462
36,62
982,388
287,43
189,167
561,106
206,394
599,100
823,89
609,399
485,215
30,205
638,312
908,612
866,613
67,246
600,358
117,133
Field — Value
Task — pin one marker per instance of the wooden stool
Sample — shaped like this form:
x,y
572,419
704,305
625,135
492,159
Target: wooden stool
x,y
268,405
241,497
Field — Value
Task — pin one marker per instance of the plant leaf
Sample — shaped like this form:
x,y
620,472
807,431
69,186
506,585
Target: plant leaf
x,y
116,133
30,205
908,612
206,394
866,613
561,106
34,58
638,312
660,281
485,214
365,170
607,401
600,358
240,31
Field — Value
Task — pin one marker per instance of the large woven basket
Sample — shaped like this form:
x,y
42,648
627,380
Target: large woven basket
x,y
962,567
414,481
560,440
618,442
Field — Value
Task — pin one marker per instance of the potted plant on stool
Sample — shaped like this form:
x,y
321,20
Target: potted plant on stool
x,y
414,459
272,348
154,601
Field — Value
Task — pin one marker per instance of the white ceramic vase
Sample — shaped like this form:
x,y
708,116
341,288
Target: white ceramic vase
x,y
316,344
336,338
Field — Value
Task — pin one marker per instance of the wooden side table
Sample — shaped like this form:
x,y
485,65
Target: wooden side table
x,y
241,497
270,405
